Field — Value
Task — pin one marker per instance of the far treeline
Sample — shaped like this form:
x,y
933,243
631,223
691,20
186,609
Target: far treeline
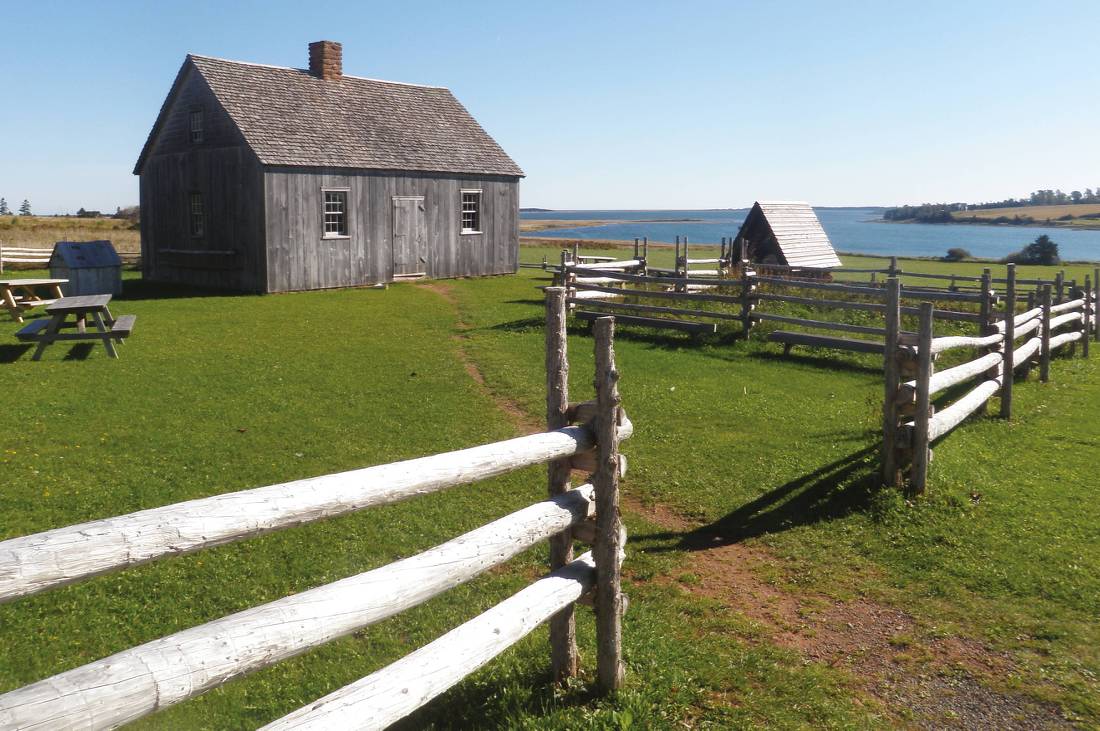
x,y
947,212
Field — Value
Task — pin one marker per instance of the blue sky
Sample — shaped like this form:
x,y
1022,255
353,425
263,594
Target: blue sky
x,y
607,105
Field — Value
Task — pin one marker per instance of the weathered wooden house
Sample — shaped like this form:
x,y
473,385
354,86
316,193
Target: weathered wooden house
x,y
267,179
780,232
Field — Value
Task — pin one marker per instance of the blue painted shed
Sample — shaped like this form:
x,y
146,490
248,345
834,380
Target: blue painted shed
x,y
92,267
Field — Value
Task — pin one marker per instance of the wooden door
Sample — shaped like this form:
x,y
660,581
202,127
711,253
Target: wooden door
x,y
410,236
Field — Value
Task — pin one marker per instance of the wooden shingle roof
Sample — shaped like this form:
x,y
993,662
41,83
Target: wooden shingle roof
x,y
794,228
290,117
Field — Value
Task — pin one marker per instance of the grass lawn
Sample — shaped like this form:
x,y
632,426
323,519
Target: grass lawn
x,y
771,581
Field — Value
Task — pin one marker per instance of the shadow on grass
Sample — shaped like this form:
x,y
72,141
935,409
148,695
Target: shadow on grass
x,y
819,361
143,289
12,353
830,492
80,351
483,709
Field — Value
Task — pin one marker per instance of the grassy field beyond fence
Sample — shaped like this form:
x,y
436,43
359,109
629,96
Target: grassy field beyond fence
x,y
757,529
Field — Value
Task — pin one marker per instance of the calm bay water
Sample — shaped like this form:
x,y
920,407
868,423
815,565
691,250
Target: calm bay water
x,y
855,230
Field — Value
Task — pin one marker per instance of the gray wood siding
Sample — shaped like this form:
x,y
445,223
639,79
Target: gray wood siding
x,y
230,181
299,257
174,134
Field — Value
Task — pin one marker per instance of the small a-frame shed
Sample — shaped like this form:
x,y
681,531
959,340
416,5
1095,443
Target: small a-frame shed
x,y
92,267
785,232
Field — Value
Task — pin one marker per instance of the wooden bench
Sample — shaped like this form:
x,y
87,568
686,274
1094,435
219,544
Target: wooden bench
x,y
681,325
32,329
123,326
791,339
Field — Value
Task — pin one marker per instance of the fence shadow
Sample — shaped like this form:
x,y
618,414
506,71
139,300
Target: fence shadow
x,y
820,361
830,492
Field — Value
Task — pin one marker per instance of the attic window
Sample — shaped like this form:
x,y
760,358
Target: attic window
x,y
471,211
197,215
196,126
336,213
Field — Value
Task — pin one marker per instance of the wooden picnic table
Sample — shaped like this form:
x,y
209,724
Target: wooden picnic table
x,y
22,294
108,329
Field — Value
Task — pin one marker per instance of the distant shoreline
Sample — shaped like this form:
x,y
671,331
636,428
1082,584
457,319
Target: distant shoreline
x,y
1067,225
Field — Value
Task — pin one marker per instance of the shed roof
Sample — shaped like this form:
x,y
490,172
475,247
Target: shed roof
x,y
797,232
291,117
84,255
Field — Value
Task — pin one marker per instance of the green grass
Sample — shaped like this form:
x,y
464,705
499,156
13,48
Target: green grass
x,y
214,394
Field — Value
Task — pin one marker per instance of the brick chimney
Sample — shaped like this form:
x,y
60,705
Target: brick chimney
x,y
326,60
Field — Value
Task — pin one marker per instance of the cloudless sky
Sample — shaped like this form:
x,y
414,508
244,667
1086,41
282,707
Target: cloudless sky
x,y
606,104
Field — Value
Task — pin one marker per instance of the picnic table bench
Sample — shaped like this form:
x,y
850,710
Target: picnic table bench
x,y
108,329
22,294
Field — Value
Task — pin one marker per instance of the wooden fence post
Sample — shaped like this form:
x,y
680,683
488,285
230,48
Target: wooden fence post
x,y
609,536
1096,301
635,247
1044,353
1008,370
746,298
1060,287
918,476
1087,314
563,639
645,256
893,271
893,380
984,327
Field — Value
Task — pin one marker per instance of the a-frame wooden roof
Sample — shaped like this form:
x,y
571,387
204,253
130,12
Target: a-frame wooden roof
x,y
792,227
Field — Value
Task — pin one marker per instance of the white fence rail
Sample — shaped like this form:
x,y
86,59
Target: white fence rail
x,y
911,422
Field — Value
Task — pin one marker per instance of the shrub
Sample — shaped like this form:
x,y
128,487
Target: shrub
x,y
957,254
1040,251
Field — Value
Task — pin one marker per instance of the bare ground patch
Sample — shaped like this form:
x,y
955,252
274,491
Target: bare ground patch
x,y
926,682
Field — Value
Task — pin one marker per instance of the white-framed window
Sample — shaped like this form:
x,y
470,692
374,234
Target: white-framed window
x,y
196,129
197,215
335,213
471,211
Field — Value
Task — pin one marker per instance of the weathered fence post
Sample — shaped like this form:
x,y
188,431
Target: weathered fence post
x,y
609,536
1096,301
1086,326
563,642
986,309
918,476
1060,285
1008,370
746,297
1044,353
635,247
893,380
893,271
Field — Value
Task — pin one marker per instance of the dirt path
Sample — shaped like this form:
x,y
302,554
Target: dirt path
x,y
521,420
927,683
924,682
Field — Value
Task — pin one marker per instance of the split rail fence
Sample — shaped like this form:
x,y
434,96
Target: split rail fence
x,y
136,682
911,422
23,256
1056,313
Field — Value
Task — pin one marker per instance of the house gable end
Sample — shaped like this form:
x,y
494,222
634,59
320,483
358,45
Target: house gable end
x,y
171,133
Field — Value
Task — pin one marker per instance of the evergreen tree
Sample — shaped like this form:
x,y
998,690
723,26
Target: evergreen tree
x,y
4,210
25,209
1041,251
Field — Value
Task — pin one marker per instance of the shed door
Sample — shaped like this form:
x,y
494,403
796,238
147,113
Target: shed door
x,y
410,236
